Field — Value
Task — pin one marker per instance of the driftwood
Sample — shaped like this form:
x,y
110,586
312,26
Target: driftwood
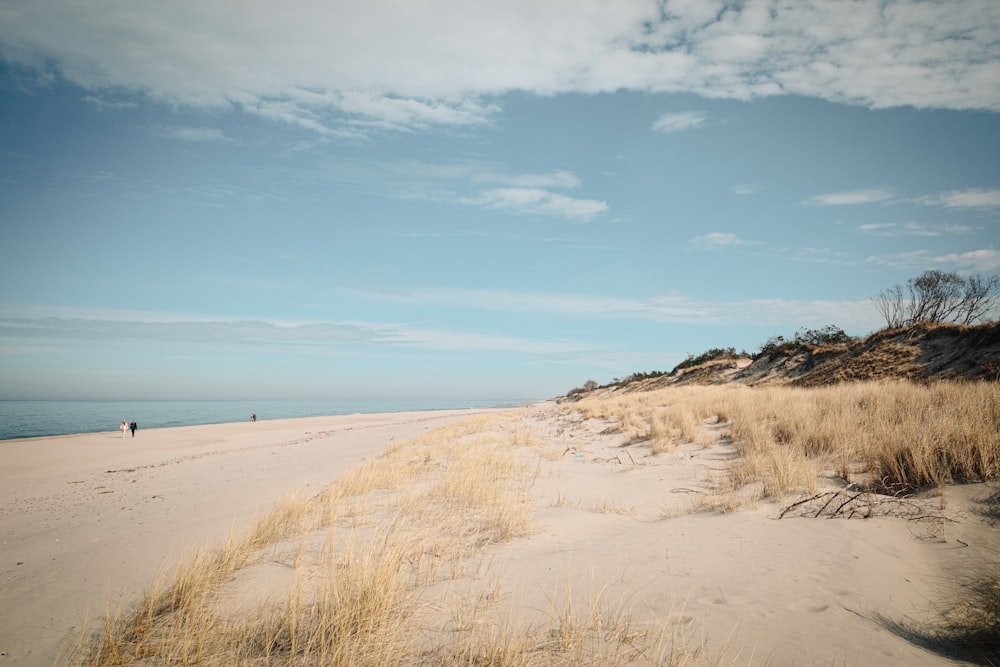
x,y
859,504
610,459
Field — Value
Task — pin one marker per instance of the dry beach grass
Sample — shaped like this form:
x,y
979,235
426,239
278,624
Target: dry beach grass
x,y
889,435
364,557
531,537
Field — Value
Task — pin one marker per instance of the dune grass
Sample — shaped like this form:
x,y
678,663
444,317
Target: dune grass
x,y
892,436
888,437
370,561
373,559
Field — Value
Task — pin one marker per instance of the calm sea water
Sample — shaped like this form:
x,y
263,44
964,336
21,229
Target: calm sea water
x,y
30,419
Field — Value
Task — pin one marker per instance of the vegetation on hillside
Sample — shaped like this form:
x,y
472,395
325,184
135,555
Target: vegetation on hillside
x,y
712,354
932,298
940,297
828,335
827,355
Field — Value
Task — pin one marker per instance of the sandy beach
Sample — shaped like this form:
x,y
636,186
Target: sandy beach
x,y
89,521
85,518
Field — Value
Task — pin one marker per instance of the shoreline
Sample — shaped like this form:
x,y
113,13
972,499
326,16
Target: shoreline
x,y
94,417
88,518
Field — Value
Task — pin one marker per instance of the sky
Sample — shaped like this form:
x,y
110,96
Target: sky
x,y
472,200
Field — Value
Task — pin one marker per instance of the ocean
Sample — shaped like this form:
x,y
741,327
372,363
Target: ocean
x,y
32,419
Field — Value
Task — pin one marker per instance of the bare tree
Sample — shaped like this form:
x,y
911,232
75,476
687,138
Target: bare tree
x,y
937,296
980,297
892,307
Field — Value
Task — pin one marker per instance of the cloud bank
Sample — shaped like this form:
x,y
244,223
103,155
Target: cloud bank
x,y
61,326
351,69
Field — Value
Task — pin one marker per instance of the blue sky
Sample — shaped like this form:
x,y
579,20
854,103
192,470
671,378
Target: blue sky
x,y
495,200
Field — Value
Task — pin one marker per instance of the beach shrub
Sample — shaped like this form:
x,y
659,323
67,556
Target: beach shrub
x,y
635,377
588,386
710,355
828,335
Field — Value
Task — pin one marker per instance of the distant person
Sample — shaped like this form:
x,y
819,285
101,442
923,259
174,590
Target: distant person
x,y
253,417
133,426
123,428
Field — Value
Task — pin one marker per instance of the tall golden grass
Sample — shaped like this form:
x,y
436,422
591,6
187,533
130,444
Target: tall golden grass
x,y
372,555
889,436
896,436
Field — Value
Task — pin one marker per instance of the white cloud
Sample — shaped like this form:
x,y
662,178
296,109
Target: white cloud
x,y
473,183
358,113
288,111
674,308
663,308
913,229
849,198
176,330
901,260
43,324
109,105
470,342
334,67
477,173
396,113
809,255
189,134
979,198
717,240
985,260
976,260
536,201
744,189
558,178
679,121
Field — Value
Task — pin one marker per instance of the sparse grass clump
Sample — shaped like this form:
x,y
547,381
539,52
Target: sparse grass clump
x,y
973,621
968,625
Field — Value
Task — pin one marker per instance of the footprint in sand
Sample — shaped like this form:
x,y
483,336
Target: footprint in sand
x,y
747,607
718,599
809,605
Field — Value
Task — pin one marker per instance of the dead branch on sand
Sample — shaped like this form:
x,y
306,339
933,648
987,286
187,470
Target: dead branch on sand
x,y
860,504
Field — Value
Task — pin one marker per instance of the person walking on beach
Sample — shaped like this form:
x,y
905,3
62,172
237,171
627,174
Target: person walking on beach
x,y
133,426
253,417
123,427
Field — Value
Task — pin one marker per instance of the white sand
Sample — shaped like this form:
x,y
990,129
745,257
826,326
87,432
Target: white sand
x,y
84,517
758,589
